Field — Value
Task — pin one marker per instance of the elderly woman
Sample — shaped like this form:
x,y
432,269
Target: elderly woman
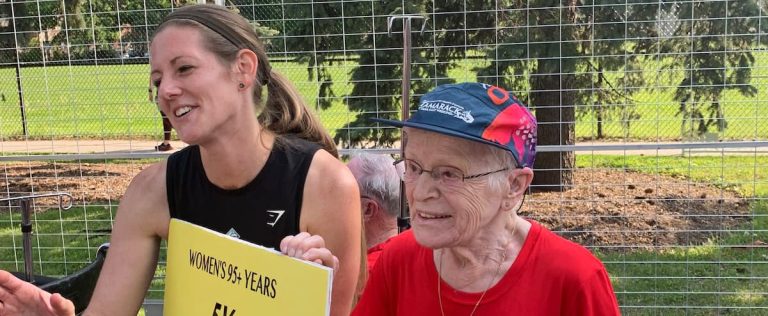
x,y
469,150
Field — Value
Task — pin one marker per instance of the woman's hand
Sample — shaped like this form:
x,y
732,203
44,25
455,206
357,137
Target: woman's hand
x,y
310,248
21,298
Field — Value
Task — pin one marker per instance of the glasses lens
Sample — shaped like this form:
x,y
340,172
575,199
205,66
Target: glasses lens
x,y
400,169
412,170
448,175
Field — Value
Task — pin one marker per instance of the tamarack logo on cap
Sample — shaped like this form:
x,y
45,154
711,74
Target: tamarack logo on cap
x,y
478,112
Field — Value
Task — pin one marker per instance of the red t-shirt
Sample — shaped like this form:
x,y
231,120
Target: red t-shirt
x,y
374,253
550,276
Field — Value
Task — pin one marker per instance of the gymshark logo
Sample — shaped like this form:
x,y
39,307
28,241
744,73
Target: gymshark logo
x,y
273,216
233,233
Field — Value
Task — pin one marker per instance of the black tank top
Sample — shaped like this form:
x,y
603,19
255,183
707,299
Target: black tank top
x,y
262,212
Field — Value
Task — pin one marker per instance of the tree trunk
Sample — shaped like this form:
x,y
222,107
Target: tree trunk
x,y
599,102
599,117
553,98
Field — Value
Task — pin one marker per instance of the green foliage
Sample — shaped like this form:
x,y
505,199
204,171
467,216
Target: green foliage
x,y
377,79
713,42
79,30
602,49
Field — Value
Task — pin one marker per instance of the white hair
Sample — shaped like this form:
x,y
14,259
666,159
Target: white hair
x,y
499,158
378,179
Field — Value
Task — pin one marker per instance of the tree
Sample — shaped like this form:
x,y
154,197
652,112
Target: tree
x,y
543,64
319,29
564,49
12,16
557,55
377,80
712,42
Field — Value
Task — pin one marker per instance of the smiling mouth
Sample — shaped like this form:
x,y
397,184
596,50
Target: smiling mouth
x,y
430,216
182,111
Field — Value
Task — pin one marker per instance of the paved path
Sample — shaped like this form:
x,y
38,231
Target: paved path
x,y
82,146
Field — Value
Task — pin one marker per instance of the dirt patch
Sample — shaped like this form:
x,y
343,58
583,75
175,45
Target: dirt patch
x,y
612,209
88,183
624,210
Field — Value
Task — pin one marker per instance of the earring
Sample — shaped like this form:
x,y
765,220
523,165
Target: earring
x,y
241,85
506,205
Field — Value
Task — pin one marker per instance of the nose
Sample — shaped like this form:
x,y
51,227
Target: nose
x,y
168,89
424,186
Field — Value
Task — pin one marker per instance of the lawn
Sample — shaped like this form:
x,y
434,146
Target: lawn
x,y
107,101
110,101
726,275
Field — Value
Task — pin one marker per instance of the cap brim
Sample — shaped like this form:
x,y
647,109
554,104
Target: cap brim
x,y
441,130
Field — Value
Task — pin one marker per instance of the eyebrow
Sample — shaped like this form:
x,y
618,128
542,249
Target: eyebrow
x,y
173,61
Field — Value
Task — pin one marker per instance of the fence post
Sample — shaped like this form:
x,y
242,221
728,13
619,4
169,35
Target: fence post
x,y
403,221
18,72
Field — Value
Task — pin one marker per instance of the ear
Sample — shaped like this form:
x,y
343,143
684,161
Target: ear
x,y
519,180
370,208
246,65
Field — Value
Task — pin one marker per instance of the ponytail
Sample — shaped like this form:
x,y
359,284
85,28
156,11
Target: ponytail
x,y
286,113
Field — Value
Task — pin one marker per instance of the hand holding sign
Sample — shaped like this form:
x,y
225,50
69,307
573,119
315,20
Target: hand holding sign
x,y
310,248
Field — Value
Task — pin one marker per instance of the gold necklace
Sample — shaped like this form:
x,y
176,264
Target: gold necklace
x,y
498,269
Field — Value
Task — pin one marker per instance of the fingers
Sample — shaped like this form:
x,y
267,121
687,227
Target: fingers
x,y
322,256
310,248
8,281
61,305
8,284
295,246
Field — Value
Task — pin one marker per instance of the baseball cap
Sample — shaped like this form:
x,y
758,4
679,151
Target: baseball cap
x,y
479,112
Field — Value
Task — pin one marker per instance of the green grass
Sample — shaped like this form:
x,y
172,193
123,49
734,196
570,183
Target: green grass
x,y
722,276
110,101
63,241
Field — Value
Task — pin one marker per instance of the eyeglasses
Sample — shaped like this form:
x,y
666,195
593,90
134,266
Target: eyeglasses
x,y
449,176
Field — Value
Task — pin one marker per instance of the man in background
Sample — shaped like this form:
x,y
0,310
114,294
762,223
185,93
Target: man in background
x,y
167,127
379,184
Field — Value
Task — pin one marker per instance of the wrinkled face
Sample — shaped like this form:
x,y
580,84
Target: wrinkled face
x,y
193,87
445,216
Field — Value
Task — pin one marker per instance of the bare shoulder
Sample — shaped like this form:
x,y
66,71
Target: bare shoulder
x,y
147,186
330,191
152,177
145,202
327,174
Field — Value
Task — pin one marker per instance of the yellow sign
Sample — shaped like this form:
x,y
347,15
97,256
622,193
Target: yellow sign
x,y
209,273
